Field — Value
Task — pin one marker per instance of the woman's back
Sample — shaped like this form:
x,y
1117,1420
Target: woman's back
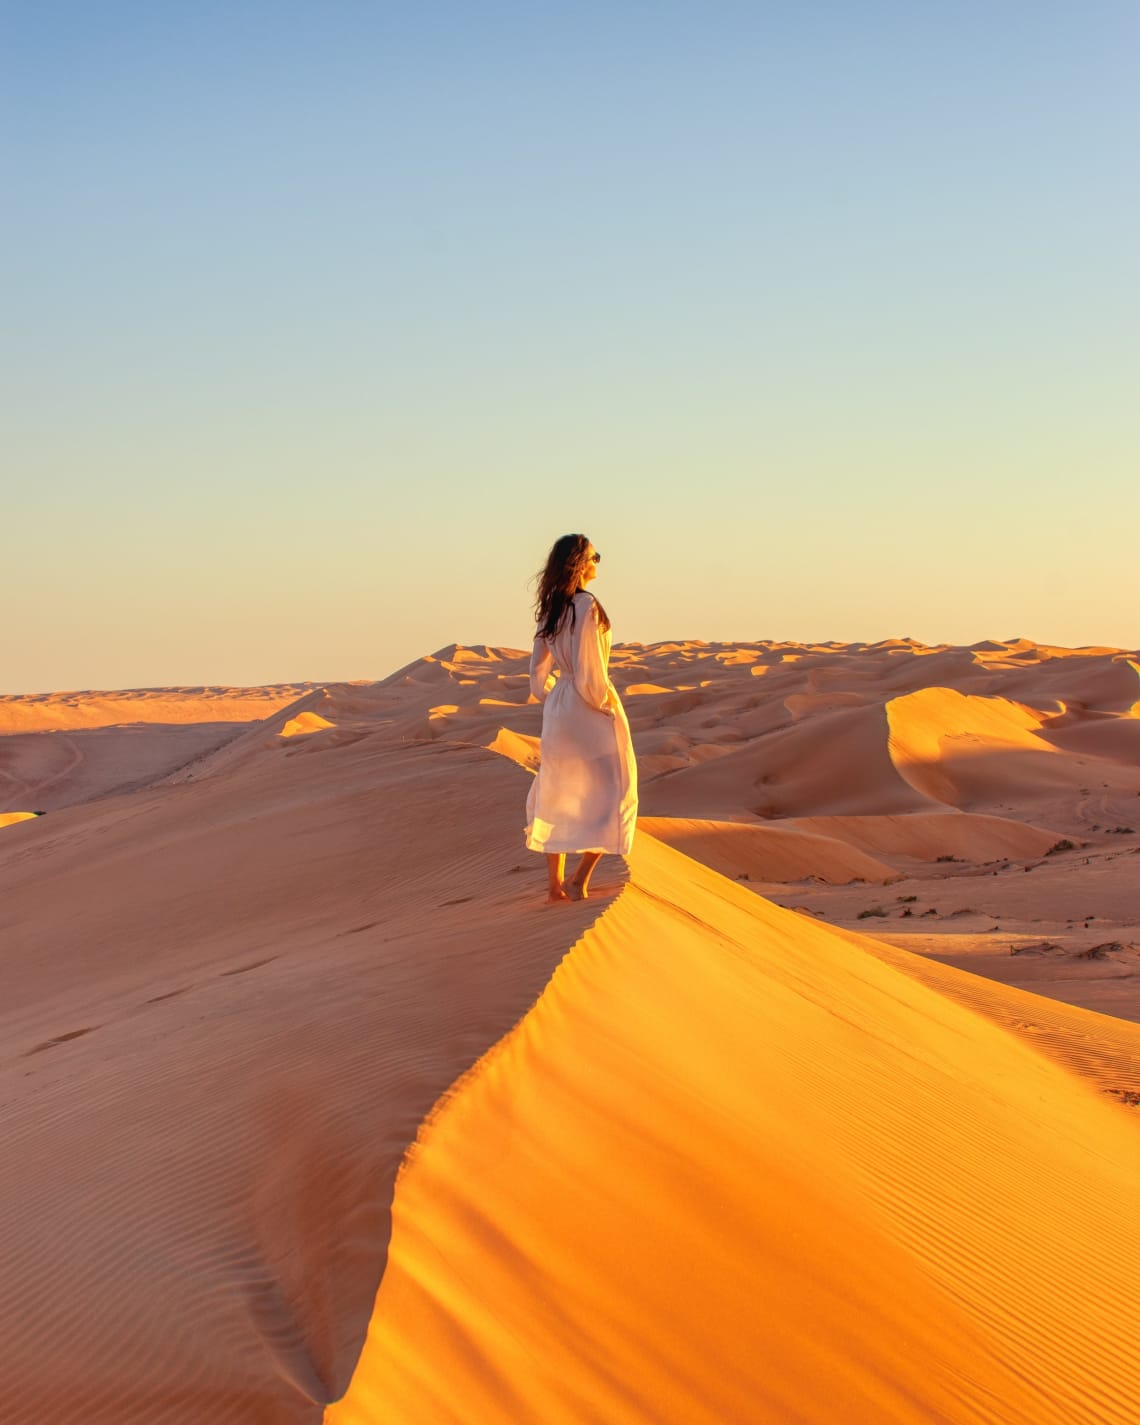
x,y
584,797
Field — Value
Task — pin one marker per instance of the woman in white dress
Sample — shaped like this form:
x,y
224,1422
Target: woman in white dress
x,y
584,798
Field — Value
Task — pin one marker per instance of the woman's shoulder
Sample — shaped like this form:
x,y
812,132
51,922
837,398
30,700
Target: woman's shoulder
x,y
585,604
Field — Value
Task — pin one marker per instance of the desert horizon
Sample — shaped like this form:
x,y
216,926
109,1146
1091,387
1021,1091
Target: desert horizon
x,y
623,1029
823,1107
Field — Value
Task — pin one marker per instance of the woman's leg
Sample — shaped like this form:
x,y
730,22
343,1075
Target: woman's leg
x,y
579,887
556,871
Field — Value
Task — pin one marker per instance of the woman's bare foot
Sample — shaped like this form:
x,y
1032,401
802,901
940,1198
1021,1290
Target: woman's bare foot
x,y
555,871
579,883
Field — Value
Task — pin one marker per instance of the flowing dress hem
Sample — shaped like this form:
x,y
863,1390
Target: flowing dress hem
x,y
556,848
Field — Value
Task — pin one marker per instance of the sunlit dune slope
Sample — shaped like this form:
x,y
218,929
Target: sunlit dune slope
x,y
226,1007
971,751
10,818
733,1167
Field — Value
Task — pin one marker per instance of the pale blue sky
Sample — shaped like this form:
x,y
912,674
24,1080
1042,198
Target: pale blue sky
x,y
321,322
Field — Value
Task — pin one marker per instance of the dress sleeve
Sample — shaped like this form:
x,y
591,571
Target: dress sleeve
x,y
541,664
591,680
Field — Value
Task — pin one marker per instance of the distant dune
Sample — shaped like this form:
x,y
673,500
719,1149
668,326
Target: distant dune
x,y
312,1108
66,712
107,742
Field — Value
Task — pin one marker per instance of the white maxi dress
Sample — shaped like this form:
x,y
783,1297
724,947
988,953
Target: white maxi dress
x,y
584,797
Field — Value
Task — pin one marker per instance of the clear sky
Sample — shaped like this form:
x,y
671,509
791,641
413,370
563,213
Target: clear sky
x,y
322,320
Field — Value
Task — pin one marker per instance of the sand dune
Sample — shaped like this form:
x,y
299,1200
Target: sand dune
x,y
828,729
10,818
681,1153
1109,738
971,751
226,1010
49,771
733,1168
1064,924
767,853
60,749
66,712
924,836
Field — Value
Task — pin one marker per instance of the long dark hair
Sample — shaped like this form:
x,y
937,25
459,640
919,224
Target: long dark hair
x,y
559,581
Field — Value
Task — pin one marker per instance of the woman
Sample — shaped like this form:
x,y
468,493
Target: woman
x,y
584,797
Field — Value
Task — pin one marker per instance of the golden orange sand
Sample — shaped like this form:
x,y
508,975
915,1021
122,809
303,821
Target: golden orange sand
x,y
738,1147
733,1168
10,818
304,724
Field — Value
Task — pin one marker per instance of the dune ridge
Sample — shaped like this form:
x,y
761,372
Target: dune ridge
x,y
227,1005
716,1174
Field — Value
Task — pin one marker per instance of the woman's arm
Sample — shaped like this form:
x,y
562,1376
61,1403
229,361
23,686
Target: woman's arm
x,y
591,679
541,663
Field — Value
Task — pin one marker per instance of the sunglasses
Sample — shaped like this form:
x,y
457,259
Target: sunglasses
x,y
594,559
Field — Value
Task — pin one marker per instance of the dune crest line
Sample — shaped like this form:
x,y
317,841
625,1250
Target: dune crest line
x,y
227,1005
716,1174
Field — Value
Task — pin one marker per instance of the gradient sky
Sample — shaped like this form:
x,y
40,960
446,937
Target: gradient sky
x,y
322,321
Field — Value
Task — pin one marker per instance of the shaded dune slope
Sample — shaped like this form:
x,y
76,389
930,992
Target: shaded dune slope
x,y
766,853
60,749
48,771
928,836
227,1009
734,1166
